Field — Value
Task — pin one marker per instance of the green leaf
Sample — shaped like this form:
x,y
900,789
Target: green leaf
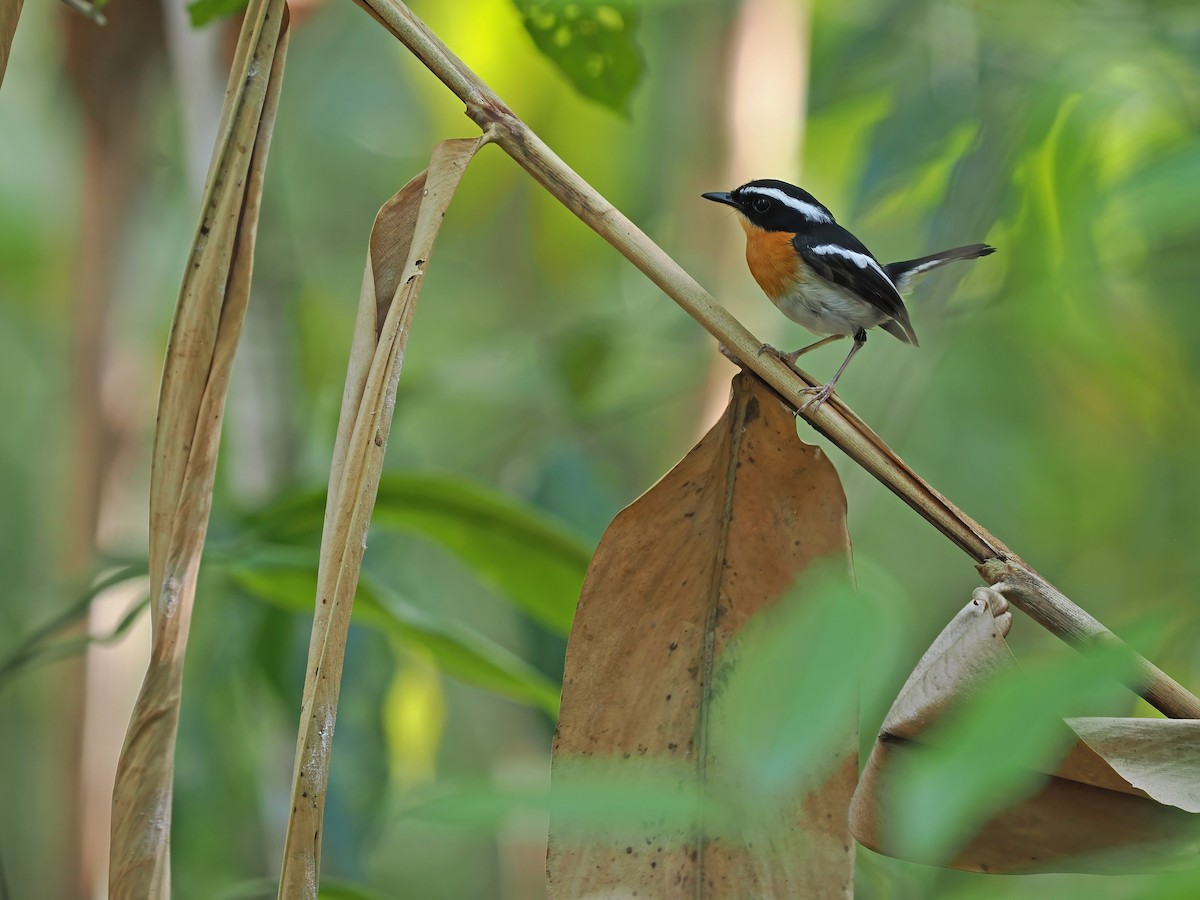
x,y
204,11
266,889
332,889
280,577
39,647
519,553
591,42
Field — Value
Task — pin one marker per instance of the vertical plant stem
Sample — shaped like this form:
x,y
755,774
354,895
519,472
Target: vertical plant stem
x,y
204,337
400,246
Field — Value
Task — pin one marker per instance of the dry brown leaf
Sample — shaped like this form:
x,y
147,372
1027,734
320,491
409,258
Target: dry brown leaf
x,y
204,336
1159,757
401,241
10,12
678,575
1121,790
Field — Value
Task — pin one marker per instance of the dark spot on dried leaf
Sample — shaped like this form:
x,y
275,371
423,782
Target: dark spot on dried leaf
x,y
753,411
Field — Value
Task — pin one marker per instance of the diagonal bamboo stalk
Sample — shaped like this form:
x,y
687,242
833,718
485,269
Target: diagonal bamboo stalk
x,y
1030,593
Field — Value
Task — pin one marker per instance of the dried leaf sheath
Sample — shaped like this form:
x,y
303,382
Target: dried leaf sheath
x,y
204,336
400,245
678,576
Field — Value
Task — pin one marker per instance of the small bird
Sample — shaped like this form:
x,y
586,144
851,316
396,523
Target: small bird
x,y
820,275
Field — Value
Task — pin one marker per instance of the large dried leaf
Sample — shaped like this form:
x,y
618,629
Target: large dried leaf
x,y
657,679
1115,794
400,244
204,336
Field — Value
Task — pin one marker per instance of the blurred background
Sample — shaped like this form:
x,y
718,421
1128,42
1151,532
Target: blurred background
x,y
1053,397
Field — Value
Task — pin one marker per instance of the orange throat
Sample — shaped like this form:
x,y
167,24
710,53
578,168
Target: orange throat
x,y
773,260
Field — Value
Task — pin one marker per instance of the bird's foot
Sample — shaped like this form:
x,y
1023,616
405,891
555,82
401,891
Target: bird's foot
x,y
788,359
819,395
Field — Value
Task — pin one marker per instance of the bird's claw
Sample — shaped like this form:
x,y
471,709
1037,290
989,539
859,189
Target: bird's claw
x,y
788,359
819,395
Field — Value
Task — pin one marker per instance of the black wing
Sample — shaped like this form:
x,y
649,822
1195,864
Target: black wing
x,y
838,256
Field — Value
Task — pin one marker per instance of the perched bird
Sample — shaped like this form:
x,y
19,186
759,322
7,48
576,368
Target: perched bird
x,y
820,275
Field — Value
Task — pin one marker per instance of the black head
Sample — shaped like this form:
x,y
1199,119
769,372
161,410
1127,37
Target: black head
x,y
775,205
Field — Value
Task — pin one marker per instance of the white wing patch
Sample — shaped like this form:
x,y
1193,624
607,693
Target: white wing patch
x,y
906,280
859,259
810,212
926,266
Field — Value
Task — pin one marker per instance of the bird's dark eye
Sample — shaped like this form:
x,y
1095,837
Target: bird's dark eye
x,y
762,205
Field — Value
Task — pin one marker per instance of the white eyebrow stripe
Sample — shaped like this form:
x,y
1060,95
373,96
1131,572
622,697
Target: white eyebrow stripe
x,y
810,212
859,259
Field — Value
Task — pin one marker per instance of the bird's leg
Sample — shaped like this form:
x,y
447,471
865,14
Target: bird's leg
x,y
790,358
823,393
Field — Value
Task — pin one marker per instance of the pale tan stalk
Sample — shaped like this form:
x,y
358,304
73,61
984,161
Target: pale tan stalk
x,y
400,245
204,336
834,419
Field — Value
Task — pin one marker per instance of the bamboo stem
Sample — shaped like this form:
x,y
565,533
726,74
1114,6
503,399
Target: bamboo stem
x,y
834,419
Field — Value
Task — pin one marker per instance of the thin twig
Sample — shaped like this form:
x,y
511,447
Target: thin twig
x,y
834,419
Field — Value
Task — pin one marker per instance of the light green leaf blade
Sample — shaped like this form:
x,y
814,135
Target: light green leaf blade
x,y
518,553
525,556
277,578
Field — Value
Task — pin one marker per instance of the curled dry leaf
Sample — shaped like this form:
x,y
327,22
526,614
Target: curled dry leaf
x,y
204,336
678,578
401,241
1122,790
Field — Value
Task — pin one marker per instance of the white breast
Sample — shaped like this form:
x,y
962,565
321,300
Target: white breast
x,y
825,308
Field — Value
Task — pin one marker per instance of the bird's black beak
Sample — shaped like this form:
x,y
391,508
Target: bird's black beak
x,y
721,197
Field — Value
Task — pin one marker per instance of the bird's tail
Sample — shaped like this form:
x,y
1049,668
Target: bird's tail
x,y
906,274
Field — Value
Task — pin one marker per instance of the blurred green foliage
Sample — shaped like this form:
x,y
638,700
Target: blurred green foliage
x,y
204,12
592,42
1053,398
